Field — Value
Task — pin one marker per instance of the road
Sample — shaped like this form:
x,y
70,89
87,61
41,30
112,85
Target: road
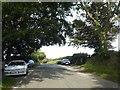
x,y
59,76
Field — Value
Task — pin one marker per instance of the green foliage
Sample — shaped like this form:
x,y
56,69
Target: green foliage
x,y
44,61
52,62
106,72
38,56
79,58
7,83
27,26
112,60
108,69
98,28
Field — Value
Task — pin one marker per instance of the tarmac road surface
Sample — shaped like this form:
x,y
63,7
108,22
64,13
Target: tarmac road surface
x,y
59,76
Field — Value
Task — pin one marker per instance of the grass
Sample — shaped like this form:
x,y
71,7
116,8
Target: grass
x,y
105,72
7,83
51,62
105,68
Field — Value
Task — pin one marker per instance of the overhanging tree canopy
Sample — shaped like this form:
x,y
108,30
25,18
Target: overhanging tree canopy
x,y
99,27
28,26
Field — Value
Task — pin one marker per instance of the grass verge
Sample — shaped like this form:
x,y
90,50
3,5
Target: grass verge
x,y
105,72
7,83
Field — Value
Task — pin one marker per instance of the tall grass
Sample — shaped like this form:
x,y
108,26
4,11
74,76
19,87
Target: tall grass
x,y
108,69
103,71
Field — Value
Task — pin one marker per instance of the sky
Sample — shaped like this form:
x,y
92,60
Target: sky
x,y
56,51
61,51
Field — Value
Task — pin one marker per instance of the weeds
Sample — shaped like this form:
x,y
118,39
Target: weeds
x,y
7,83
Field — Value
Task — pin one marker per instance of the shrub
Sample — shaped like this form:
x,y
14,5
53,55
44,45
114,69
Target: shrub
x,y
108,69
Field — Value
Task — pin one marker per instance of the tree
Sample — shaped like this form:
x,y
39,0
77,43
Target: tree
x,y
79,58
28,26
98,28
38,56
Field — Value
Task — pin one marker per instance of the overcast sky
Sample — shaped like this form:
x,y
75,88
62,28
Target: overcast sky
x,y
56,51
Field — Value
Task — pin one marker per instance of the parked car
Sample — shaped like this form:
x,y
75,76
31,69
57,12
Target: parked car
x,y
16,67
65,61
31,63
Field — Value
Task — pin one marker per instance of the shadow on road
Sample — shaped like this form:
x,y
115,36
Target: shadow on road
x,y
42,72
55,73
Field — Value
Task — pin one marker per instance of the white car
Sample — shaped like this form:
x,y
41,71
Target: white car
x,y
65,61
16,67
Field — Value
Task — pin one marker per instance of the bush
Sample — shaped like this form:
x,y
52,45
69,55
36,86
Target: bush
x,y
38,56
44,61
108,69
79,58
52,62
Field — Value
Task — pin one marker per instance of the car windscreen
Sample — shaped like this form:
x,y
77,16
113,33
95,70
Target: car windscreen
x,y
16,63
66,59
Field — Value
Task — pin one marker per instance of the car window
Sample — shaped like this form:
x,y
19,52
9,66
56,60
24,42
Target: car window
x,y
66,60
16,63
